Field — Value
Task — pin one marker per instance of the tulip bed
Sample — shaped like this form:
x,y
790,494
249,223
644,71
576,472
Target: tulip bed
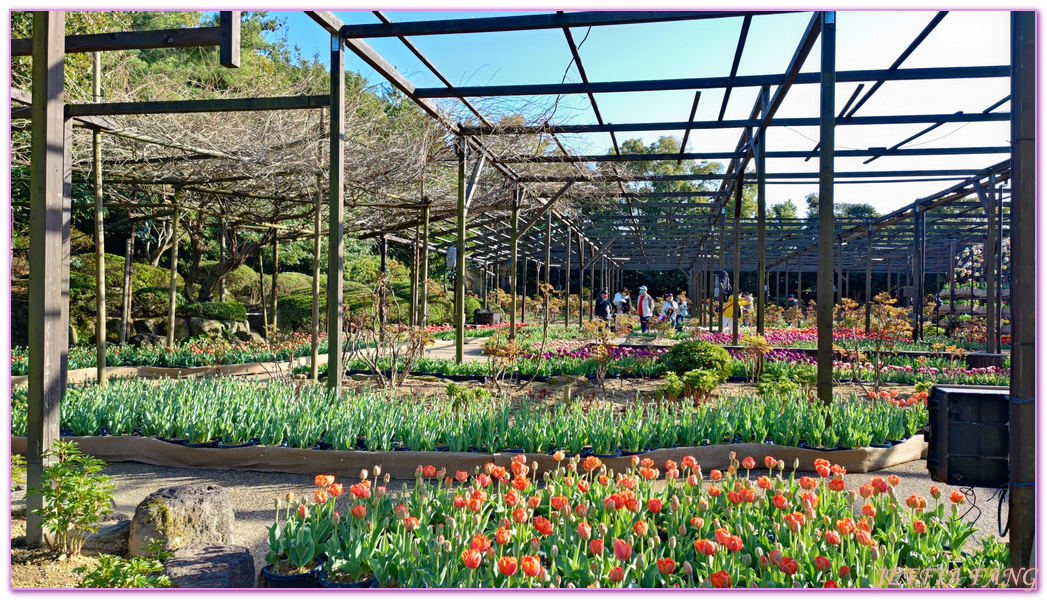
x,y
590,527
237,412
188,353
808,338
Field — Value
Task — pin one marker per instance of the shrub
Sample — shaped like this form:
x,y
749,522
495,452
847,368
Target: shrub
x,y
75,497
697,354
152,302
135,572
17,471
221,311
471,306
298,310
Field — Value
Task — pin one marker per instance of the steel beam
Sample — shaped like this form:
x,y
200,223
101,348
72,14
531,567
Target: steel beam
x,y
336,218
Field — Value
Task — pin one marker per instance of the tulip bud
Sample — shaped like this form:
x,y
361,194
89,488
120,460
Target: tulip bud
x,y
534,545
683,530
603,529
363,474
672,543
447,546
595,568
750,527
386,478
554,551
893,536
276,503
534,466
777,527
796,464
688,569
545,476
801,548
759,551
570,586
732,456
675,503
414,551
874,552
747,559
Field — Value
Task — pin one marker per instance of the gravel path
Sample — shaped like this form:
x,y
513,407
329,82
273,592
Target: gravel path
x,y
252,494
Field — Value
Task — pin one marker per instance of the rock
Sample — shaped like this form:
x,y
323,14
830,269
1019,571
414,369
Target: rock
x,y
208,327
74,336
147,339
211,566
234,328
181,328
429,378
573,380
361,377
249,336
153,326
182,516
110,539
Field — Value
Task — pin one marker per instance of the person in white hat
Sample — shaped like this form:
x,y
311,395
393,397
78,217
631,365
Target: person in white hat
x,y
644,307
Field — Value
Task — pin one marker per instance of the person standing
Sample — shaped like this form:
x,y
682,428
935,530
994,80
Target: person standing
x,y
681,300
732,312
603,308
644,307
626,302
619,298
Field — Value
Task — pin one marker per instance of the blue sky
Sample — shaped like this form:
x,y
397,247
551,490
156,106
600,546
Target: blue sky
x,y
865,40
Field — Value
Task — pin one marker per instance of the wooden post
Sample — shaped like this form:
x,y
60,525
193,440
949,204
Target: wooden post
x,y
414,279
459,282
423,317
723,257
736,274
989,258
47,333
567,280
592,287
174,270
276,269
523,296
383,267
100,311
917,272
581,278
261,290
223,231
952,278
1023,289
514,224
761,217
314,329
336,220
548,256
125,314
826,173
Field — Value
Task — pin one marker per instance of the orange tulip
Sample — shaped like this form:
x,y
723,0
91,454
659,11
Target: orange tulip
x,y
893,480
520,515
808,483
832,538
640,528
654,505
459,502
410,523
734,544
957,498
558,455
512,498
359,511
471,558
869,510
779,501
521,483
534,501
845,526
749,462
543,525
532,566
558,502
480,543
823,471
591,463
429,471
596,546
335,489
323,481
670,465
864,538
503,536
616,575
585,531
507,565
764,482
320,496
919,527
715,475
475,504
302,512
769,462
583,486
836,485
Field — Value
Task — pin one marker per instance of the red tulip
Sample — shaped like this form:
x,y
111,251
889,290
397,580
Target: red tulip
x,y
749,462
864,538
845,526
583,486
359,511
697,522
769,462
821,563
558,502
830,584
836,485
720,579
789,566
596,546
715,491
622,550
734,543
429,471
832,538
721,536
520,515
893,480
543,525
779,501
475,504
844,571
764,482
461,476
919,526
302,512
715,475
616,575
654,505
507,565
584,531
704,546
666,566
411,523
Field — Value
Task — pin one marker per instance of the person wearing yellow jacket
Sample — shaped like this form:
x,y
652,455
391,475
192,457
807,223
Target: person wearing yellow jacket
x,y
730,312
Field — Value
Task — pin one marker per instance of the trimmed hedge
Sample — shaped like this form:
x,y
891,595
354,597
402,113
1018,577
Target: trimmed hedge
x,y
152,302
220,311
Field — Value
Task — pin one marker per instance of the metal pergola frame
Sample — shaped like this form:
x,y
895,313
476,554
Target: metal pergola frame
x,y
695,237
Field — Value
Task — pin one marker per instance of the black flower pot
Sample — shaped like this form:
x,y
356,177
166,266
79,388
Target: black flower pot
x,y
309,579
247,444
211,444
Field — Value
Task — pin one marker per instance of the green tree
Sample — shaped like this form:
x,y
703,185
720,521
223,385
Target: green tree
x,y
784,210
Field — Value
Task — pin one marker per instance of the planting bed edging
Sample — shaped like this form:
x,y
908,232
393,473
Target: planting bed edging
x,y
402,465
